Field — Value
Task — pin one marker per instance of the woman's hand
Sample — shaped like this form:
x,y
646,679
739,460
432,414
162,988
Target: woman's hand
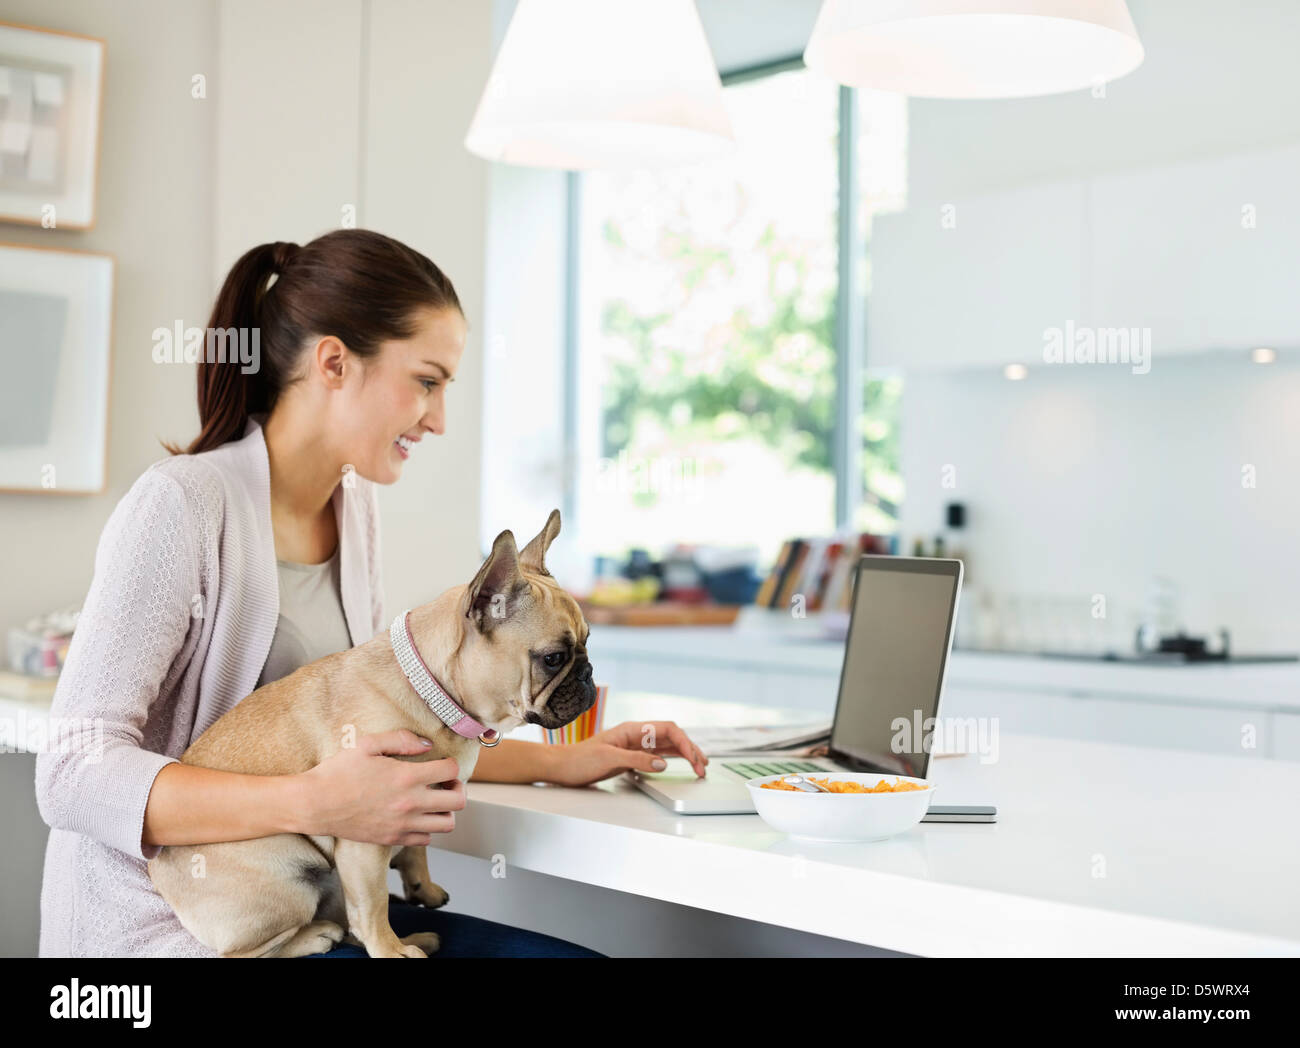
x,y
361,794
632,744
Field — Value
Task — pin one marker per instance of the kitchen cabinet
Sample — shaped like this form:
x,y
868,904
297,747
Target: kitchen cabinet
x,y
1052,713
1286,736
1205,254
1136,720
1139,722
1202,255
976,281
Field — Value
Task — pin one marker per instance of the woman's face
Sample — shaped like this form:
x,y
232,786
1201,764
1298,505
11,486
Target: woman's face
x,y
400,395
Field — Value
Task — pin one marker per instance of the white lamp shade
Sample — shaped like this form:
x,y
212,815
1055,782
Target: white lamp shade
x,y
974,48
609,84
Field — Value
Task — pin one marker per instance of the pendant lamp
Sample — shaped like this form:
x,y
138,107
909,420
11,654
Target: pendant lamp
x,y
974,48
602,84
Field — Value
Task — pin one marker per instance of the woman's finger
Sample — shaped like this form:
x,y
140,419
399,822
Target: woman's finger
x,y
680,743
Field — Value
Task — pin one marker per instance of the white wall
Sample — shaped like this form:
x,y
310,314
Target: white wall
x,y
366,103
311,105
427,66
1095,481
523,433
289,108
153,216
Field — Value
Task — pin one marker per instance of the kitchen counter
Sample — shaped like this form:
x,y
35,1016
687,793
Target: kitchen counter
x,y
1100,850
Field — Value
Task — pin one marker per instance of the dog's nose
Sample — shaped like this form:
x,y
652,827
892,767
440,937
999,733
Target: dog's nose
x,y
585,673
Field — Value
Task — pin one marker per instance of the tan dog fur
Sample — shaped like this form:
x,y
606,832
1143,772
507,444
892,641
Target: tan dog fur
x,y
278,896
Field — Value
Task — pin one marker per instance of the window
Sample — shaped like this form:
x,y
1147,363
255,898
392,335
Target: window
x,y
881,170
707,333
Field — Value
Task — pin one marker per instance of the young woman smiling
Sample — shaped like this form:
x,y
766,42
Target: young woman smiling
x,y
249,554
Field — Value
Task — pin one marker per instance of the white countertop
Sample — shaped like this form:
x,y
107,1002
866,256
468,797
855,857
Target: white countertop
x,y
1274,686
1198,852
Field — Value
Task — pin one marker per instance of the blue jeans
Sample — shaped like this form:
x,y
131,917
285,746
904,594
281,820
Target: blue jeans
x,y
464,936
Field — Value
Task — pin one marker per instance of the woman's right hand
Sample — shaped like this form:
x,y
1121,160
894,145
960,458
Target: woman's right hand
x,y
360,794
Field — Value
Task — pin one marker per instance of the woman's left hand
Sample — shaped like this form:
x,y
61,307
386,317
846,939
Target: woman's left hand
x,y
632,744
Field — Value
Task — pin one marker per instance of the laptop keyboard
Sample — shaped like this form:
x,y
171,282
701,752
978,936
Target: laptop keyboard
x,y
757,769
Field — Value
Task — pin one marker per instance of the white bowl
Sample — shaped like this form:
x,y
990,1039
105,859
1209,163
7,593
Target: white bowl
x,y
842,816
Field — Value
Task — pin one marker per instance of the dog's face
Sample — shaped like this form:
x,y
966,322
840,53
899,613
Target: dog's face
x,y
524,654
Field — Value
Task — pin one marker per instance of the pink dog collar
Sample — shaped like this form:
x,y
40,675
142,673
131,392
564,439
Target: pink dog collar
x,y
426,685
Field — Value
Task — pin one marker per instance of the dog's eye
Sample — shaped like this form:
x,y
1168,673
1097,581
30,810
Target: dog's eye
x,y
554,660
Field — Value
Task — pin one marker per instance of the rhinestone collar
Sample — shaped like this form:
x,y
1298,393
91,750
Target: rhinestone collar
x,y
426,685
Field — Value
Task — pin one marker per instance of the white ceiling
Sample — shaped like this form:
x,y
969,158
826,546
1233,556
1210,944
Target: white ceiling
x,y
741,33
745,33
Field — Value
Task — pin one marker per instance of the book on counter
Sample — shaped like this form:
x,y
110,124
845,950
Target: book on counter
x,y
819,568
767,591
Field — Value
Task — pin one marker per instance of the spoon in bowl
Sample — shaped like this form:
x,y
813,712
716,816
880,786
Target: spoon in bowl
x,y
806,785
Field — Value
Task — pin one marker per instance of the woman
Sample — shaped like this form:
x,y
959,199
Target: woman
x,y
250,554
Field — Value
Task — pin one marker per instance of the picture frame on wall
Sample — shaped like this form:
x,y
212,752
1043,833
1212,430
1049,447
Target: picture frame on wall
x,y
56,320
51,95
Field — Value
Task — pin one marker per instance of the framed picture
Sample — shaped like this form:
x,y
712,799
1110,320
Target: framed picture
x,y
51,86
56,319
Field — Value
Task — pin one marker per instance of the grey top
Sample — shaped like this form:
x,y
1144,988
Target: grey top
x,y
311,623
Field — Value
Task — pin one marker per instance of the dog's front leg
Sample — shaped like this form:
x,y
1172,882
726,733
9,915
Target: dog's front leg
x,y
412,862
363,873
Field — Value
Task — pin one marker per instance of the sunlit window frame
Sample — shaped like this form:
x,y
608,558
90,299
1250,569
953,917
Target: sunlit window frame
x,y
850,310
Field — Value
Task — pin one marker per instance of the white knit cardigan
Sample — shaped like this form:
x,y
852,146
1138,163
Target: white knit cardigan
x,y
173,632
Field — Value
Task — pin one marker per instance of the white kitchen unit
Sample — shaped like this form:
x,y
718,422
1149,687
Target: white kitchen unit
x,y
976,281
1244,709
1286,736
1204,254
1108,717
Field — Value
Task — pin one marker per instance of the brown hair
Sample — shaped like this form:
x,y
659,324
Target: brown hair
x,y
355,284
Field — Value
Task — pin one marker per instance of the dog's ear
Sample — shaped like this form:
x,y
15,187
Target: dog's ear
x,y
533,556
497,589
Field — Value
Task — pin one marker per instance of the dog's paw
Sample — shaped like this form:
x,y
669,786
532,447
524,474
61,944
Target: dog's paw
x,y
430,895
424,942
413,951
325,937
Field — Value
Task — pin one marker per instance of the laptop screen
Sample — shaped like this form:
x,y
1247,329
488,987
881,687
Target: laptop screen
x,y
894,656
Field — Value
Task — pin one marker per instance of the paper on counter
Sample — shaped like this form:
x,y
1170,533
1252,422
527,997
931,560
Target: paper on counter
x,y
721,741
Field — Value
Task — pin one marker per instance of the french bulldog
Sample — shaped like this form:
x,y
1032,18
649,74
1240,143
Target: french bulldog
x,y
507,649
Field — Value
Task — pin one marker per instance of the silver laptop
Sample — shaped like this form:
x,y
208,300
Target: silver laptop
x,y
904,610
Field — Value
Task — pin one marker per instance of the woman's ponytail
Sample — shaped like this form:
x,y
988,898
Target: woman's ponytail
x,y
228,393
360,286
